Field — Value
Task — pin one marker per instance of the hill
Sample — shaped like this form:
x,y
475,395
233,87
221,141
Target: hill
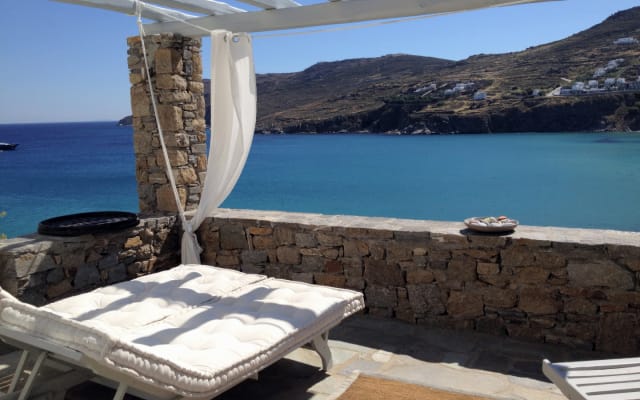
x,y
412,94
331,90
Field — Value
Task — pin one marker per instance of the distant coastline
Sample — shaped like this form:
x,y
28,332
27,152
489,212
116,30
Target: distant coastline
x,y
126,121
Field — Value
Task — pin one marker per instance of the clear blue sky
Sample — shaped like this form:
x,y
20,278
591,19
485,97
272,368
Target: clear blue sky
x,y
62,62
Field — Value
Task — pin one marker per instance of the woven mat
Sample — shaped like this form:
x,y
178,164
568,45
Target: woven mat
x,y
371,388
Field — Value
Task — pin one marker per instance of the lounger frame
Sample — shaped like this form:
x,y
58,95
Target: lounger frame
x,y
612,379
80,368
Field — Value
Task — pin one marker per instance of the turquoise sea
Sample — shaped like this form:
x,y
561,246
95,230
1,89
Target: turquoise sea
x,y
578,180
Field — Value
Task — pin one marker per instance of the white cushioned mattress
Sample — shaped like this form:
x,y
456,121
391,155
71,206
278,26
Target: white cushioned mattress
x,y
193,330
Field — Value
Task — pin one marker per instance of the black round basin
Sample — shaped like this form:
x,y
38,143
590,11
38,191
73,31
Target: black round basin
x,y
87,223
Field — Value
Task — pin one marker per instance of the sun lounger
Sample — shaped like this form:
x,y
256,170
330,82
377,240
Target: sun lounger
x,y
193,331
614,379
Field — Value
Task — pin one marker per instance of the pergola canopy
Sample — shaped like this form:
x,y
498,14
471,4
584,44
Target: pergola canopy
x,y
185,16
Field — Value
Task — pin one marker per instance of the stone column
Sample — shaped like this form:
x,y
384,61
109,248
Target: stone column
x,y
176,74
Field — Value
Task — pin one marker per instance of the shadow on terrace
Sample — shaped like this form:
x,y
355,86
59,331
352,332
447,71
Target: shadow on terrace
x,y
457,361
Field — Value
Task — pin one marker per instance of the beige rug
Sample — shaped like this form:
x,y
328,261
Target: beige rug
x,y
371,388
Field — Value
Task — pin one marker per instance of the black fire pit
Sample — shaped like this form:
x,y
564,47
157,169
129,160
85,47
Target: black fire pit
x,y
88,223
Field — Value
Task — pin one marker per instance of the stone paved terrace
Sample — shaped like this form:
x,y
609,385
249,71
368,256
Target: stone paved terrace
x,y
457,361
466,362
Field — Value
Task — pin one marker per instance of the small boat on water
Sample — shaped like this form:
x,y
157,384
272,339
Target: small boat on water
x,y
8,146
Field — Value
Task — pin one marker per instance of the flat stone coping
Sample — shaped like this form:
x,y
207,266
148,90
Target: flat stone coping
x,y
542,233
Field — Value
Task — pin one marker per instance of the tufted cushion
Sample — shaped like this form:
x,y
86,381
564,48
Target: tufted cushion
x,y
140,302
194,330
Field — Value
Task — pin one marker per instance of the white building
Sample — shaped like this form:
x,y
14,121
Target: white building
x,y
426,88
593,84
609,82
464,87
626,40
480,95
613,64
578,87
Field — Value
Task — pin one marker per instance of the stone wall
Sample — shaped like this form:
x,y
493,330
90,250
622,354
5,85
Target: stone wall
x,y
176,75
39,269
556,285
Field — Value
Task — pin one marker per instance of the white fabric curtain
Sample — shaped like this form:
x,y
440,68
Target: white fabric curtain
x,y
233,119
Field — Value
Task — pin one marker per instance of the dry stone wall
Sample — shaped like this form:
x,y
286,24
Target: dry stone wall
x,y
39,269
568,286
555,285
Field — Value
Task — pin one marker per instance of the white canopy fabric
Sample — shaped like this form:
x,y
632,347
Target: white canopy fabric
x,y
233,119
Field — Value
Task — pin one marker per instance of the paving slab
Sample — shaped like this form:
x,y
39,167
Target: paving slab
x,y
480,364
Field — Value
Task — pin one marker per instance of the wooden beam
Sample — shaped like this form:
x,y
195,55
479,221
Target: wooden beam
x,y
208,7
163,14
129,7
271,4
330,13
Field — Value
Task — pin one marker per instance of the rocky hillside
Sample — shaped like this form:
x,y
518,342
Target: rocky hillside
x,y
331,90
411,94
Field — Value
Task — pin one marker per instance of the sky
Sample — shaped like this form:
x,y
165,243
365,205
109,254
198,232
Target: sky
x,y
62,62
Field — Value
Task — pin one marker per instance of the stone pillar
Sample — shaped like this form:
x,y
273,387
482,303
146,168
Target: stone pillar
x,y
176,74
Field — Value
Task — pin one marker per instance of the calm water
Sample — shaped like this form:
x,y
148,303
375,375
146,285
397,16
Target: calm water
x,y
579,180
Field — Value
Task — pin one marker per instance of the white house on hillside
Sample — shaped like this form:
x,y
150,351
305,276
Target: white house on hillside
x,y
480,95
599,72
613,64
626,40
578,87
